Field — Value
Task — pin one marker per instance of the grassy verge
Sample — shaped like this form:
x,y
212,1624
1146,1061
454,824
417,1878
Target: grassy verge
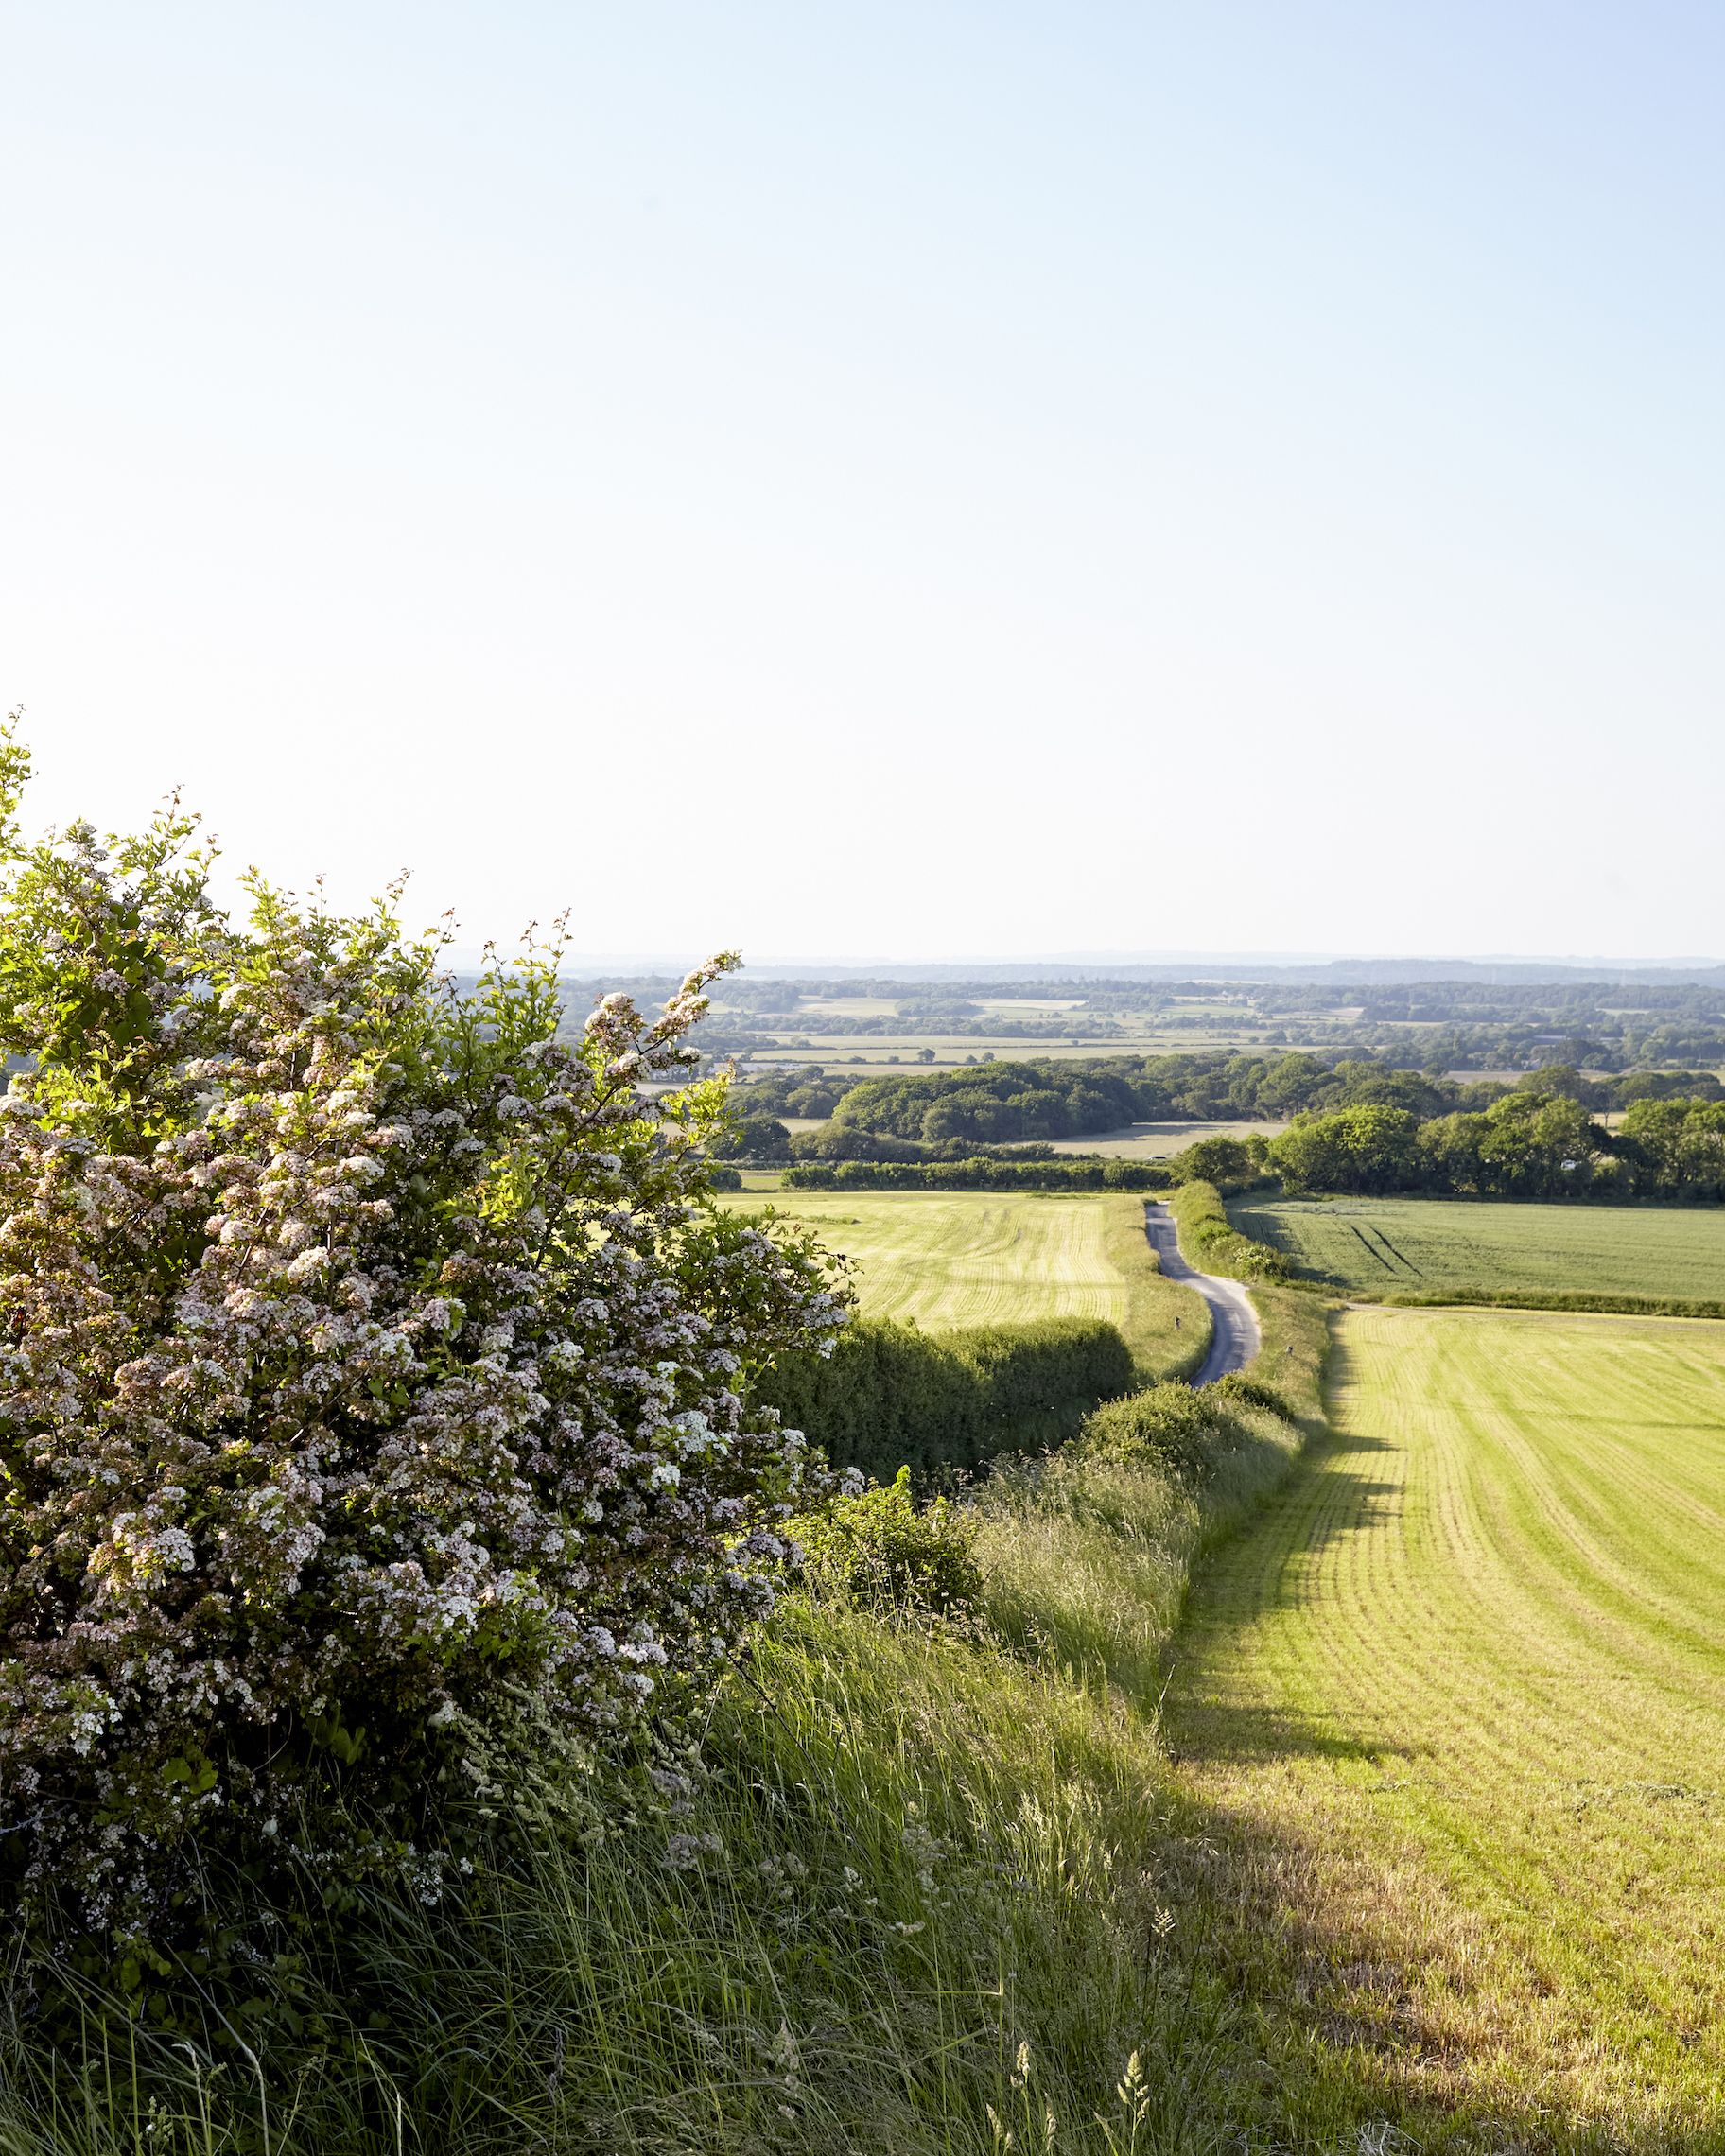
x,y
906,1900
1088,1553
1296,1329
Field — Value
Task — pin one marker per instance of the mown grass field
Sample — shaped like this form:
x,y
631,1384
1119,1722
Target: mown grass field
x,y
946,1261
1445,1246
1450,1731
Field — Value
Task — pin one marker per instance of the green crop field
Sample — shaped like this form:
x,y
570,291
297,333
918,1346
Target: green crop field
x,y
947,1259
1450,1723
1446,1246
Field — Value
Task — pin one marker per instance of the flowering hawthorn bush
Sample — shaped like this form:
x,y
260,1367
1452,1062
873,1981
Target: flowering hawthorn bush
x,y
370,1365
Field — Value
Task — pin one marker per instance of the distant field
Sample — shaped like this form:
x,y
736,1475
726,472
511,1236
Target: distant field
x,y
877,1055
1137,1141
1161,1140
1441,1246
863,1055
947,1259
1450,1714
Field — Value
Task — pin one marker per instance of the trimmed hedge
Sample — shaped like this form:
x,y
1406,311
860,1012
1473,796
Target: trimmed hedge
x,y
1211,1242
979,1174
891,1397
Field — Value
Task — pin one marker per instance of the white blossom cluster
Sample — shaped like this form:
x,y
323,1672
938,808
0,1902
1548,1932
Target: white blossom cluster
x,y
368,1355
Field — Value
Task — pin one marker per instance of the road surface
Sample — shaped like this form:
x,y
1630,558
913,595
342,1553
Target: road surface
x,y
1234,1336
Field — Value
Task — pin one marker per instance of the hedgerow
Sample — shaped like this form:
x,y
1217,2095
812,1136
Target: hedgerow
x,y
374,1378
1211,1240
890,1397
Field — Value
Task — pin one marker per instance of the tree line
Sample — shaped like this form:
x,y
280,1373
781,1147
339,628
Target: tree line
x,y
1527,1144
951,1114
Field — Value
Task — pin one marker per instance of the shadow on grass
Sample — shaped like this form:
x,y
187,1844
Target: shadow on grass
x,y
1272,1566
1371,2012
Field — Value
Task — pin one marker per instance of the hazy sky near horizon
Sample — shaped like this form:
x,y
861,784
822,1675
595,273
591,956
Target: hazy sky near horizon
x,y
914,480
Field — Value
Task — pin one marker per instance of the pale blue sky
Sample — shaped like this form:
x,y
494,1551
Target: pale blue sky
x,y
904,480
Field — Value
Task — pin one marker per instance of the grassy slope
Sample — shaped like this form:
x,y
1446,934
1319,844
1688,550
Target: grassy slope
x,y
1441,1246
1087,1560
1452,1750
945,1261
1294,1350
906,1853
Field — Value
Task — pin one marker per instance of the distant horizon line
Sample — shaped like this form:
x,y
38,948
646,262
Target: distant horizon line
x,y
683,962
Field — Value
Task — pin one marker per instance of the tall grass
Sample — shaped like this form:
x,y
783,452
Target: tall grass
x,y
901,1898
906,1857
1087,1553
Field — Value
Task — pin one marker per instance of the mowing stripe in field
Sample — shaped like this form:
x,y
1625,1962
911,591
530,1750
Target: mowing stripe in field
x,y
972,1258
946,1261
1451,1245
1459,1705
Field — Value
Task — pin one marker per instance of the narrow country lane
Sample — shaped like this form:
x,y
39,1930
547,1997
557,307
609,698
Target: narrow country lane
x,y
1234,1337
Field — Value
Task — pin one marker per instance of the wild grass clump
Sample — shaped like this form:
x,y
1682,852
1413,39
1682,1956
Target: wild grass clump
x,y
906,1879
873,1544
1086,1554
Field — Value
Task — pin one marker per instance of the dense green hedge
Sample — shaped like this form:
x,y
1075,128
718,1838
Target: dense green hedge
x,y
979,1174
1179,1426
891,1397
1211,1242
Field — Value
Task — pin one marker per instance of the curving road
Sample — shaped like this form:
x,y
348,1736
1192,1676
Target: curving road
x,y
1234,1335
